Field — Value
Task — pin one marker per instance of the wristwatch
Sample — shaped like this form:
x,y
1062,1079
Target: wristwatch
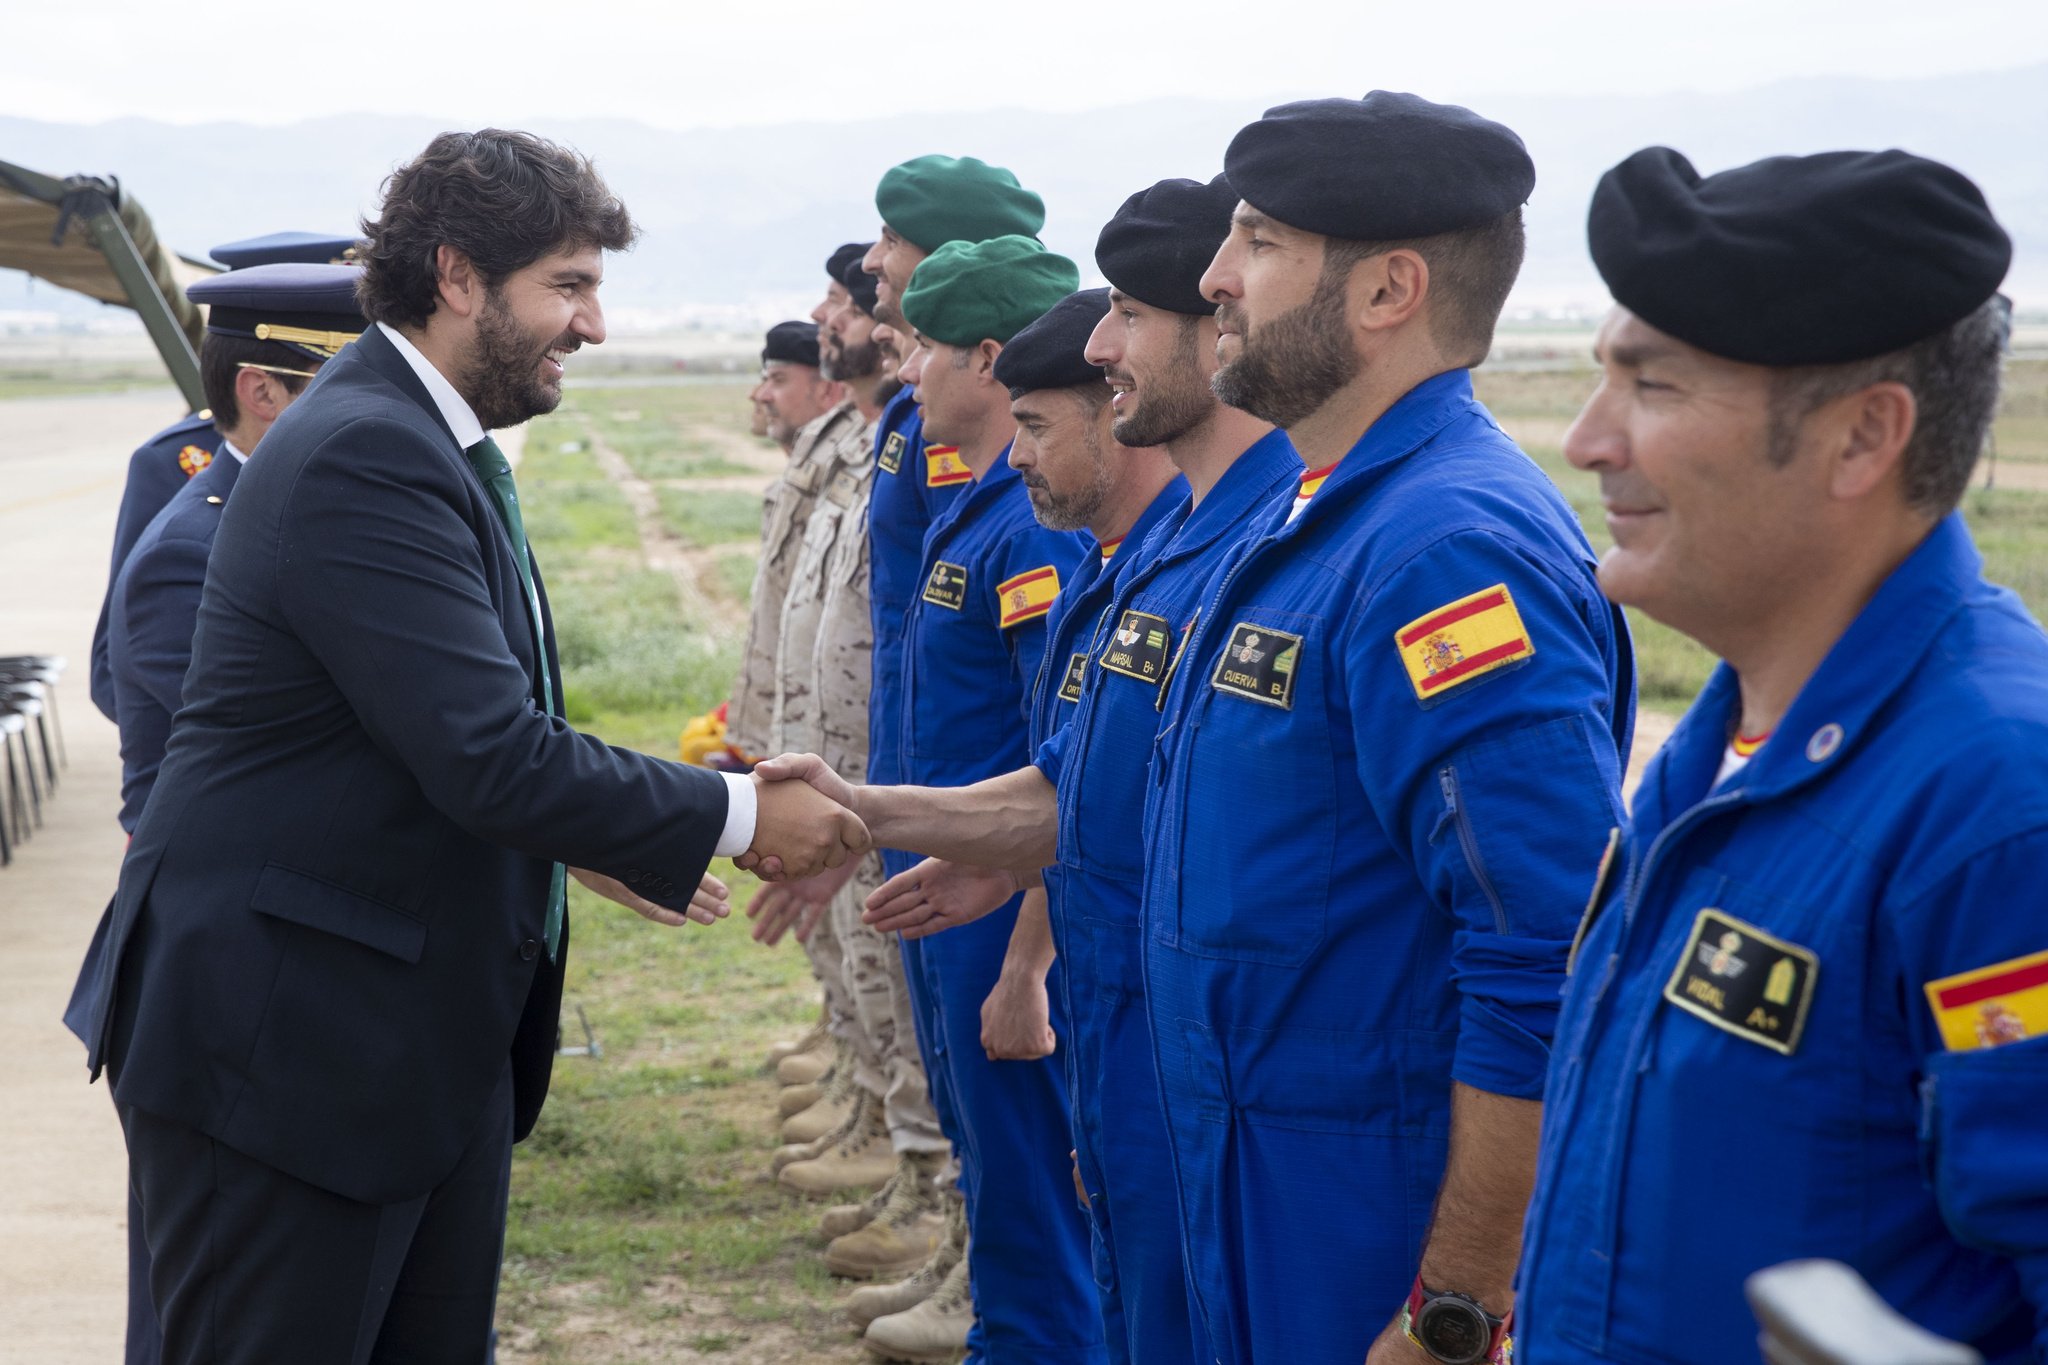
x,y
1451,1327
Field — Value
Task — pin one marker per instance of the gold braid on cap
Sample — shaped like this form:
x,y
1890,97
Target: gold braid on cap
x,y
328,343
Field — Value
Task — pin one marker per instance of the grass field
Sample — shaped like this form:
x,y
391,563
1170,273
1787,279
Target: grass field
x,y
643,1226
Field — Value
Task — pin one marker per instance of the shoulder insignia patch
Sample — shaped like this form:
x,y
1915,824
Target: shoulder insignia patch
x,y
891,458
1462,640
942,466
947,587
1138,647
192,459
1259,663
1077,670
1739,978
1992,1006
1028,595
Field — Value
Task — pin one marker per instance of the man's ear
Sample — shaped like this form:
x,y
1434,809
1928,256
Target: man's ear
x,y
1389,289
258,394
985,353
1865,435
457,280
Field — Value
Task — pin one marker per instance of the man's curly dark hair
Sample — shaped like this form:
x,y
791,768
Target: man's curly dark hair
x,y
504,199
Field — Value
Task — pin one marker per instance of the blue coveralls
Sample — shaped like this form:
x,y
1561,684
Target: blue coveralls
x,y
151,613
962,719
159,467
1750,1068
1099,762
1390,761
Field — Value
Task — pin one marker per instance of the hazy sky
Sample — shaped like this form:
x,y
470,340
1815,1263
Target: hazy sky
x,y
691,64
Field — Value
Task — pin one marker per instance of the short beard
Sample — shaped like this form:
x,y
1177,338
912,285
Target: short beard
x,y
501,378
889,315
1289,367
1077,510
1175,402
844,362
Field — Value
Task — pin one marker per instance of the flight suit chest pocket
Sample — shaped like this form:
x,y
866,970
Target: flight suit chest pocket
x,y
1259,825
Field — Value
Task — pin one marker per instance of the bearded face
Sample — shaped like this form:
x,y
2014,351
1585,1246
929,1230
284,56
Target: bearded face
x,y
1288,367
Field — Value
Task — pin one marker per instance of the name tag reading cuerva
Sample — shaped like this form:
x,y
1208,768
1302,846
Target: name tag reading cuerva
x,y
947,587
1138,647
1259,663
1741,979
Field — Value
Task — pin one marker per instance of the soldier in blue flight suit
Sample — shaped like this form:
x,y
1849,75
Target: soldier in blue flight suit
x,y
166,461
972,643
1157,346
1392,748
153,607
1804,1016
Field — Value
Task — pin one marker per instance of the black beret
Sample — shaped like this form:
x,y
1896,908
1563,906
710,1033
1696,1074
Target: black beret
x,y
1051,352
860,284
1162,240
1796,260
835,264
1385,168
795,342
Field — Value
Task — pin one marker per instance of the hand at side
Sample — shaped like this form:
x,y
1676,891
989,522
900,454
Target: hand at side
x,y
708,903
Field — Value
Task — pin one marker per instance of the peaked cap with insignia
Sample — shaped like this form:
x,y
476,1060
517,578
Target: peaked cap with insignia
x,y
287,248
309,308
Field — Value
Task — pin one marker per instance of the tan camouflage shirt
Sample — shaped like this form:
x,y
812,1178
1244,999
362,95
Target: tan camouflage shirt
x,y
822,664
785,510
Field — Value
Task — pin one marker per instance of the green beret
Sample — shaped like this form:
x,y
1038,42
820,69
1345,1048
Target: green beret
x,y
968,292
937,199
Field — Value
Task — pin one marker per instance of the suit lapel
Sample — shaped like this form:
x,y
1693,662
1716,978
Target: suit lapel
x,y
376,351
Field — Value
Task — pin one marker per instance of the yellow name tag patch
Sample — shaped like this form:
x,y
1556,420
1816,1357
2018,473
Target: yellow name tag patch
x,y
1028,595
2006,1002
1463,640
891,458
1741,979
1077,673
942,466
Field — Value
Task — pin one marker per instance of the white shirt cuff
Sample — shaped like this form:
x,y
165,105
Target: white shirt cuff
x,y
739,816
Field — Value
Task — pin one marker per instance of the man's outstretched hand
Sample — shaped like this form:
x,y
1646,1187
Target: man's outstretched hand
x,y
800,829
708,903
790,777
779,906
937,895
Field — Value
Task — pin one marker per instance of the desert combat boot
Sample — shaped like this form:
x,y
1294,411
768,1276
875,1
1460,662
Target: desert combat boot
x,y
872,1301
921,1169
935,1331
815,1038
832,1107
801,1068
824,1142
863,1156
903,1235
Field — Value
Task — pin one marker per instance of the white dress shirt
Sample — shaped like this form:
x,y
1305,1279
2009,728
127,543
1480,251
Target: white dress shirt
x,y
740,805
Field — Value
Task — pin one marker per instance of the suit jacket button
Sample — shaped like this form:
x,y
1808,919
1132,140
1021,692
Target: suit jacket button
x,y
528,951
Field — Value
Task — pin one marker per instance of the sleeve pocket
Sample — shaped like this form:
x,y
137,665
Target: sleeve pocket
x,y
1982,1134
304,899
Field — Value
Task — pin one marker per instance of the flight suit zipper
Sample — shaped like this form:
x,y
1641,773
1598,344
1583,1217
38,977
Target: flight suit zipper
x,y
1460,818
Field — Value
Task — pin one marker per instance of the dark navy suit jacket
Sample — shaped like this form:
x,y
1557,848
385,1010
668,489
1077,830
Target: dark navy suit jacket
x,y
325,941
159,467
151,615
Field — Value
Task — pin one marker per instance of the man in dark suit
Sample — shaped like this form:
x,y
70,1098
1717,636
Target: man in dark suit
x,y
335,961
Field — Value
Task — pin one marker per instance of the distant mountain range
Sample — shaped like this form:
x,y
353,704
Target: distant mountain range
x,y
738,221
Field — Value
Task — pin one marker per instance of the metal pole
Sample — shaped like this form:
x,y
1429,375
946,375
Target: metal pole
x,y
119,248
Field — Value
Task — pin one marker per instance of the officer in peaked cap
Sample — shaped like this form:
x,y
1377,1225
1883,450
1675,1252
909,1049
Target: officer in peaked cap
x,y
269,329
163,464
1405,704
1805,1008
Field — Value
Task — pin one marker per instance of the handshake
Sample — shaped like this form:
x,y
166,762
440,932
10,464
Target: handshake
x,y
804,820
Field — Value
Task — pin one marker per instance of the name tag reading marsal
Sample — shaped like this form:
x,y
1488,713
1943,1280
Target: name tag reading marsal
x,y
947,587
1259,663
1070,685
891,458
1739,978
1138,647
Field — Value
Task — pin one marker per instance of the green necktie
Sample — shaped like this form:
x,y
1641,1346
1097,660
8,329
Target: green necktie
x,y
496,472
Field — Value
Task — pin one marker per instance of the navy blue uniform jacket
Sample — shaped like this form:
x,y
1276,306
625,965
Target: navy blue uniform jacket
x,y
325,941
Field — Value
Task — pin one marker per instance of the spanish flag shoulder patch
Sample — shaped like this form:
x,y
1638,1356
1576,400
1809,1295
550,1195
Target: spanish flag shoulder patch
x,y
1028,595
192,459
1992,1006
1463,640
942,466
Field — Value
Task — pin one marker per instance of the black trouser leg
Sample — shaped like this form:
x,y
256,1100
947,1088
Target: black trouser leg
x,y
145,1343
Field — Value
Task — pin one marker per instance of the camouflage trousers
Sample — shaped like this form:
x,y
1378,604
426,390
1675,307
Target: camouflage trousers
x,y
867,1005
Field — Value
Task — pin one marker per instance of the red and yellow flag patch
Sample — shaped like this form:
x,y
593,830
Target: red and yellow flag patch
x,y
1463,640
942,466
192,459
1028,595
1991,1006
